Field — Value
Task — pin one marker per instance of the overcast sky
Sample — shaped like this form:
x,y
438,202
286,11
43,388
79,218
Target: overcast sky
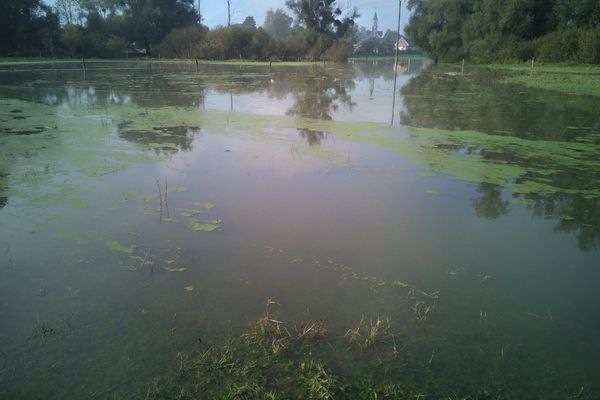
x,y
214,12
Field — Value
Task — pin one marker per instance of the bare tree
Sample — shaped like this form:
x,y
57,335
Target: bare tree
x,y
71,12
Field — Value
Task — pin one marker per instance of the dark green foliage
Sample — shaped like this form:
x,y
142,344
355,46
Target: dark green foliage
x,y
249,22
149,21
577,45
506,30
324,17
27,27
171,28
228,43
183,42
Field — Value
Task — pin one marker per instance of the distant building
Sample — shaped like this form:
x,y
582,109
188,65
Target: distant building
x,y
374,29
402,44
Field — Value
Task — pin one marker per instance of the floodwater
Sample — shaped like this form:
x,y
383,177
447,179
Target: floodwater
x,y
148,209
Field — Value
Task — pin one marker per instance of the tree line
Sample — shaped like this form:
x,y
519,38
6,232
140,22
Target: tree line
x,y
172,28
486,31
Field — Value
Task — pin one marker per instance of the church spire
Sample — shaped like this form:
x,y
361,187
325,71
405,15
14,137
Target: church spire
x,y
375,27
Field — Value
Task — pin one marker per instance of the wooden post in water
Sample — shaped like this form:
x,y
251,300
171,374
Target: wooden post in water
x,y
462,68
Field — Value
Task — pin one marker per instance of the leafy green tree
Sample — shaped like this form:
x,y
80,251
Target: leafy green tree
x,y
436,26
298,44
183,42
26,26
278,23
484,30
249,21
324,16
149,21
73,40
232,42
260,47
577,13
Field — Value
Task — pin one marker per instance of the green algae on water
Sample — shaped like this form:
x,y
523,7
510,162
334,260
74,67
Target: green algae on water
x,y
180,269
204,204
204,227
116,246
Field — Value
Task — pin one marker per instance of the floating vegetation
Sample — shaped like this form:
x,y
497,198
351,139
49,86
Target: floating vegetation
x,y
204,204
116,246
180,269
128,267
177,189
522,201
188,288
135,196
204,227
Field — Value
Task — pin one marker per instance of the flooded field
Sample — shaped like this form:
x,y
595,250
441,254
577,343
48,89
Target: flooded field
x,y
244,232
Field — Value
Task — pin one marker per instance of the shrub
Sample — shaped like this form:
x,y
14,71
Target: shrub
x,y
183,43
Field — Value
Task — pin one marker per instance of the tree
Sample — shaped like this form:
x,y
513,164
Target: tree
x,y
73,39
183,42
436,26
577,13
227,43
26,26
324,16
278,23
149,21
71,12
249,22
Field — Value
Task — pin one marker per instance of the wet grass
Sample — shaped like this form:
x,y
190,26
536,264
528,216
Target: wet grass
x,y
269,332
564,78
370,335
272,362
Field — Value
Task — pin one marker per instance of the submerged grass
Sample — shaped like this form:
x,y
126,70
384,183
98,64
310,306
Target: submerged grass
x,y
371,335
247,367
564,78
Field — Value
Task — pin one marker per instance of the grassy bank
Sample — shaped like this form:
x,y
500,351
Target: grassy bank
x,y
580,79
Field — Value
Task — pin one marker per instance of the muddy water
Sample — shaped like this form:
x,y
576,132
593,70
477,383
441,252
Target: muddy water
x,y
152,208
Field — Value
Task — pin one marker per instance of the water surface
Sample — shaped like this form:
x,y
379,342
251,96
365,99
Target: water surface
x,y
146,205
